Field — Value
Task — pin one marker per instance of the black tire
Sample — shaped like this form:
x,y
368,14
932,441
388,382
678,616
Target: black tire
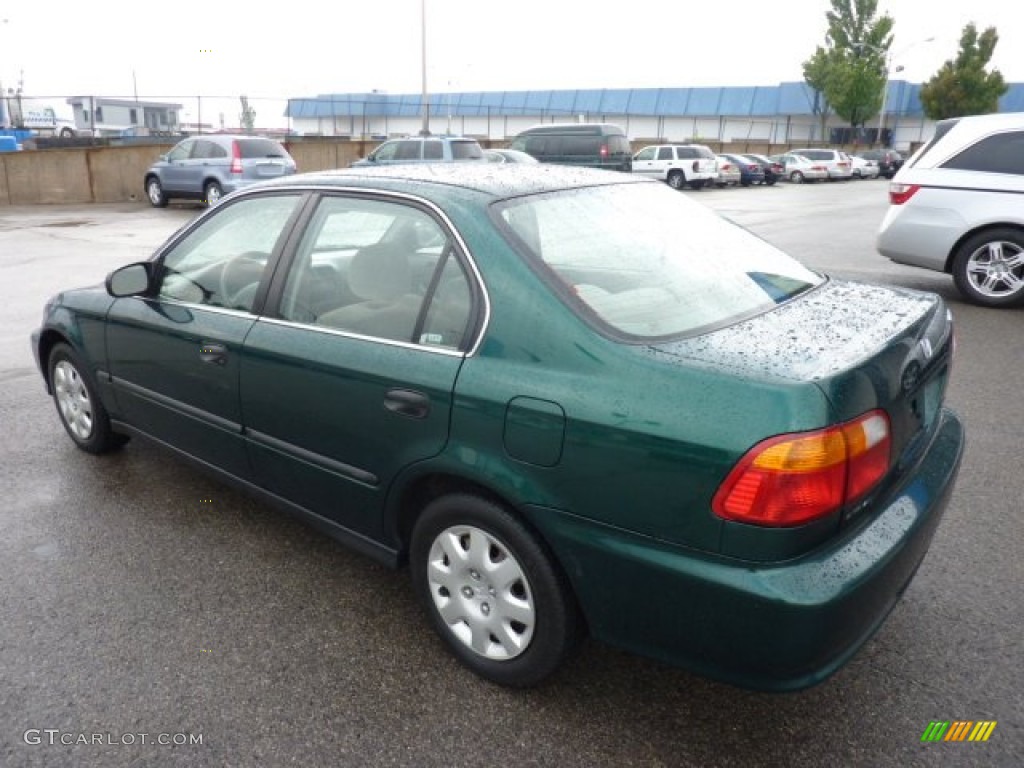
x,y
534,609
796,177
66,133
676,179
78,404
699,184
155,192
744,183
771,182
212,193
988,268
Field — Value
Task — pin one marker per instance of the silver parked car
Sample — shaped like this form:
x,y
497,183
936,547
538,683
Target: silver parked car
x,y
424,149
956,207
208,167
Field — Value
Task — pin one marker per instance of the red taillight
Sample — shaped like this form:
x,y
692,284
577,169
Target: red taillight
x,y
236,158
793,479
900,193
604,150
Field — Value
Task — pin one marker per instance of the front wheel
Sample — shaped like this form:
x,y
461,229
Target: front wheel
x,y
988,269
155,193
491,591
78,405
676,179
796,177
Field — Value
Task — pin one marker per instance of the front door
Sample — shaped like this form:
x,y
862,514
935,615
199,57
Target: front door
x,y
175,355
353,379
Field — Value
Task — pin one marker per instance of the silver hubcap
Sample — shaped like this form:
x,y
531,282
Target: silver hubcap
x,y
213,194
73,400
154,192
481,592
997,269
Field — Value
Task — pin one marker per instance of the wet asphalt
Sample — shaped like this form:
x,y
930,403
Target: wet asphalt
x,y
142,602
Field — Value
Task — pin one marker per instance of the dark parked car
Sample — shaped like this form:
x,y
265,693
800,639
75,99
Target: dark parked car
x,y
208,167
889,161
704,452
593,145
773,169
751,171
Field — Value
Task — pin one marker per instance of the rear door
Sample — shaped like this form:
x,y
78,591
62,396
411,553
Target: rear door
x,y
351,379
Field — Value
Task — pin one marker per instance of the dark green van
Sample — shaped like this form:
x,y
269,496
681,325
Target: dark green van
x,y
595,145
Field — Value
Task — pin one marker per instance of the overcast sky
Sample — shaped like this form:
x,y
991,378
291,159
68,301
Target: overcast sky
x,y
227,47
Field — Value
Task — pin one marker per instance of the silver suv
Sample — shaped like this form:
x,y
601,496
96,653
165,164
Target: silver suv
x,y
956,207
208,167
424,149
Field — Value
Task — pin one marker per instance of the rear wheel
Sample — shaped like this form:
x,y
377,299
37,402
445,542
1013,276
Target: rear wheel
x,y
988,268
78,405
492,592
212,193
796,177
676,179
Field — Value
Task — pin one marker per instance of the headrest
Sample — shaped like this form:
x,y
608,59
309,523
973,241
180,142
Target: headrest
x,y
379,273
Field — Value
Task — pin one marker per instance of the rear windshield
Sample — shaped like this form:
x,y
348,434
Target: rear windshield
x,y
644,262
466,150
250,148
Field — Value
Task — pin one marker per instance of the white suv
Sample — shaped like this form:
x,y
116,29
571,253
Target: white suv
x,y
678,164
957,206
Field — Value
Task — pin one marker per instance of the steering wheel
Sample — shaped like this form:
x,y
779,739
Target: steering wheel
x,y
239,279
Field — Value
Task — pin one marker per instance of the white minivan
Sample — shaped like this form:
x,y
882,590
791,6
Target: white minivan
x,y
957,206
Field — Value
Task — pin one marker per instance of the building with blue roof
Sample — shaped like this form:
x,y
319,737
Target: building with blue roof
x,y
783,114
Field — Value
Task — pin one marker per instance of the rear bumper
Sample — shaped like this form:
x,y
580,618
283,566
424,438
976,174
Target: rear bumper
x,y
764,626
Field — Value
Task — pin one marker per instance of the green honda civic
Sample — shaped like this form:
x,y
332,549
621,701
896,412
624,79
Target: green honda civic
x,y
571,401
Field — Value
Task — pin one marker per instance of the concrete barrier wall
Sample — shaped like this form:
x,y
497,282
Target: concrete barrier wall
x,y
114,174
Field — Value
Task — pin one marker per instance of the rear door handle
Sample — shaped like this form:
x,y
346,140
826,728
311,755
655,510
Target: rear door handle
x,y
213,353
406,402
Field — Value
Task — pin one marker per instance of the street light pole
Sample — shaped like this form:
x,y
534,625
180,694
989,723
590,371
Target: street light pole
x,y
885,85
425,130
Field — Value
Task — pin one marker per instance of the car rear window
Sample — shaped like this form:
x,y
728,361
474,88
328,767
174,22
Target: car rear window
x,y
1001,153
250,148
466,150
644,262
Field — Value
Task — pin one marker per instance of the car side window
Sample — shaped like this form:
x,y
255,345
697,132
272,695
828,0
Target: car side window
x,y
181,151
665,153
1001,153
432,150
222,261
646,154
380,269
386,151
202,150
408,150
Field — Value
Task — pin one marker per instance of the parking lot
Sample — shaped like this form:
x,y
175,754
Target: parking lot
x,y
140,597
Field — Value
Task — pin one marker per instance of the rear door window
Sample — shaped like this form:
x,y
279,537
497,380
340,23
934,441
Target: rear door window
x,y
466,150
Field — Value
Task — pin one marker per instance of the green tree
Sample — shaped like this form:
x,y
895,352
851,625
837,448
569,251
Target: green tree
x,y
248,116
962,86
850,70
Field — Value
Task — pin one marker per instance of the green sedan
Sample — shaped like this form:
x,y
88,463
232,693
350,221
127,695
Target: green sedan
x,y
572,401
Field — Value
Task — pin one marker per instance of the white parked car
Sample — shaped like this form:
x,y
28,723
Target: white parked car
x,y
957,206
800,169
678,165
728,172
863,168
837,163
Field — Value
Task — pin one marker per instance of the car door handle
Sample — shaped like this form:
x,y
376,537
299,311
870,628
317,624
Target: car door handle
x,y
405,402
213,353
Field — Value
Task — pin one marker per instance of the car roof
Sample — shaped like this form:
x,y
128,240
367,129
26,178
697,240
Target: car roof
x,y
495,180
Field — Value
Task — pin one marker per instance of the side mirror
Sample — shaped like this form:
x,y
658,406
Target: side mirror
x,y
132,280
